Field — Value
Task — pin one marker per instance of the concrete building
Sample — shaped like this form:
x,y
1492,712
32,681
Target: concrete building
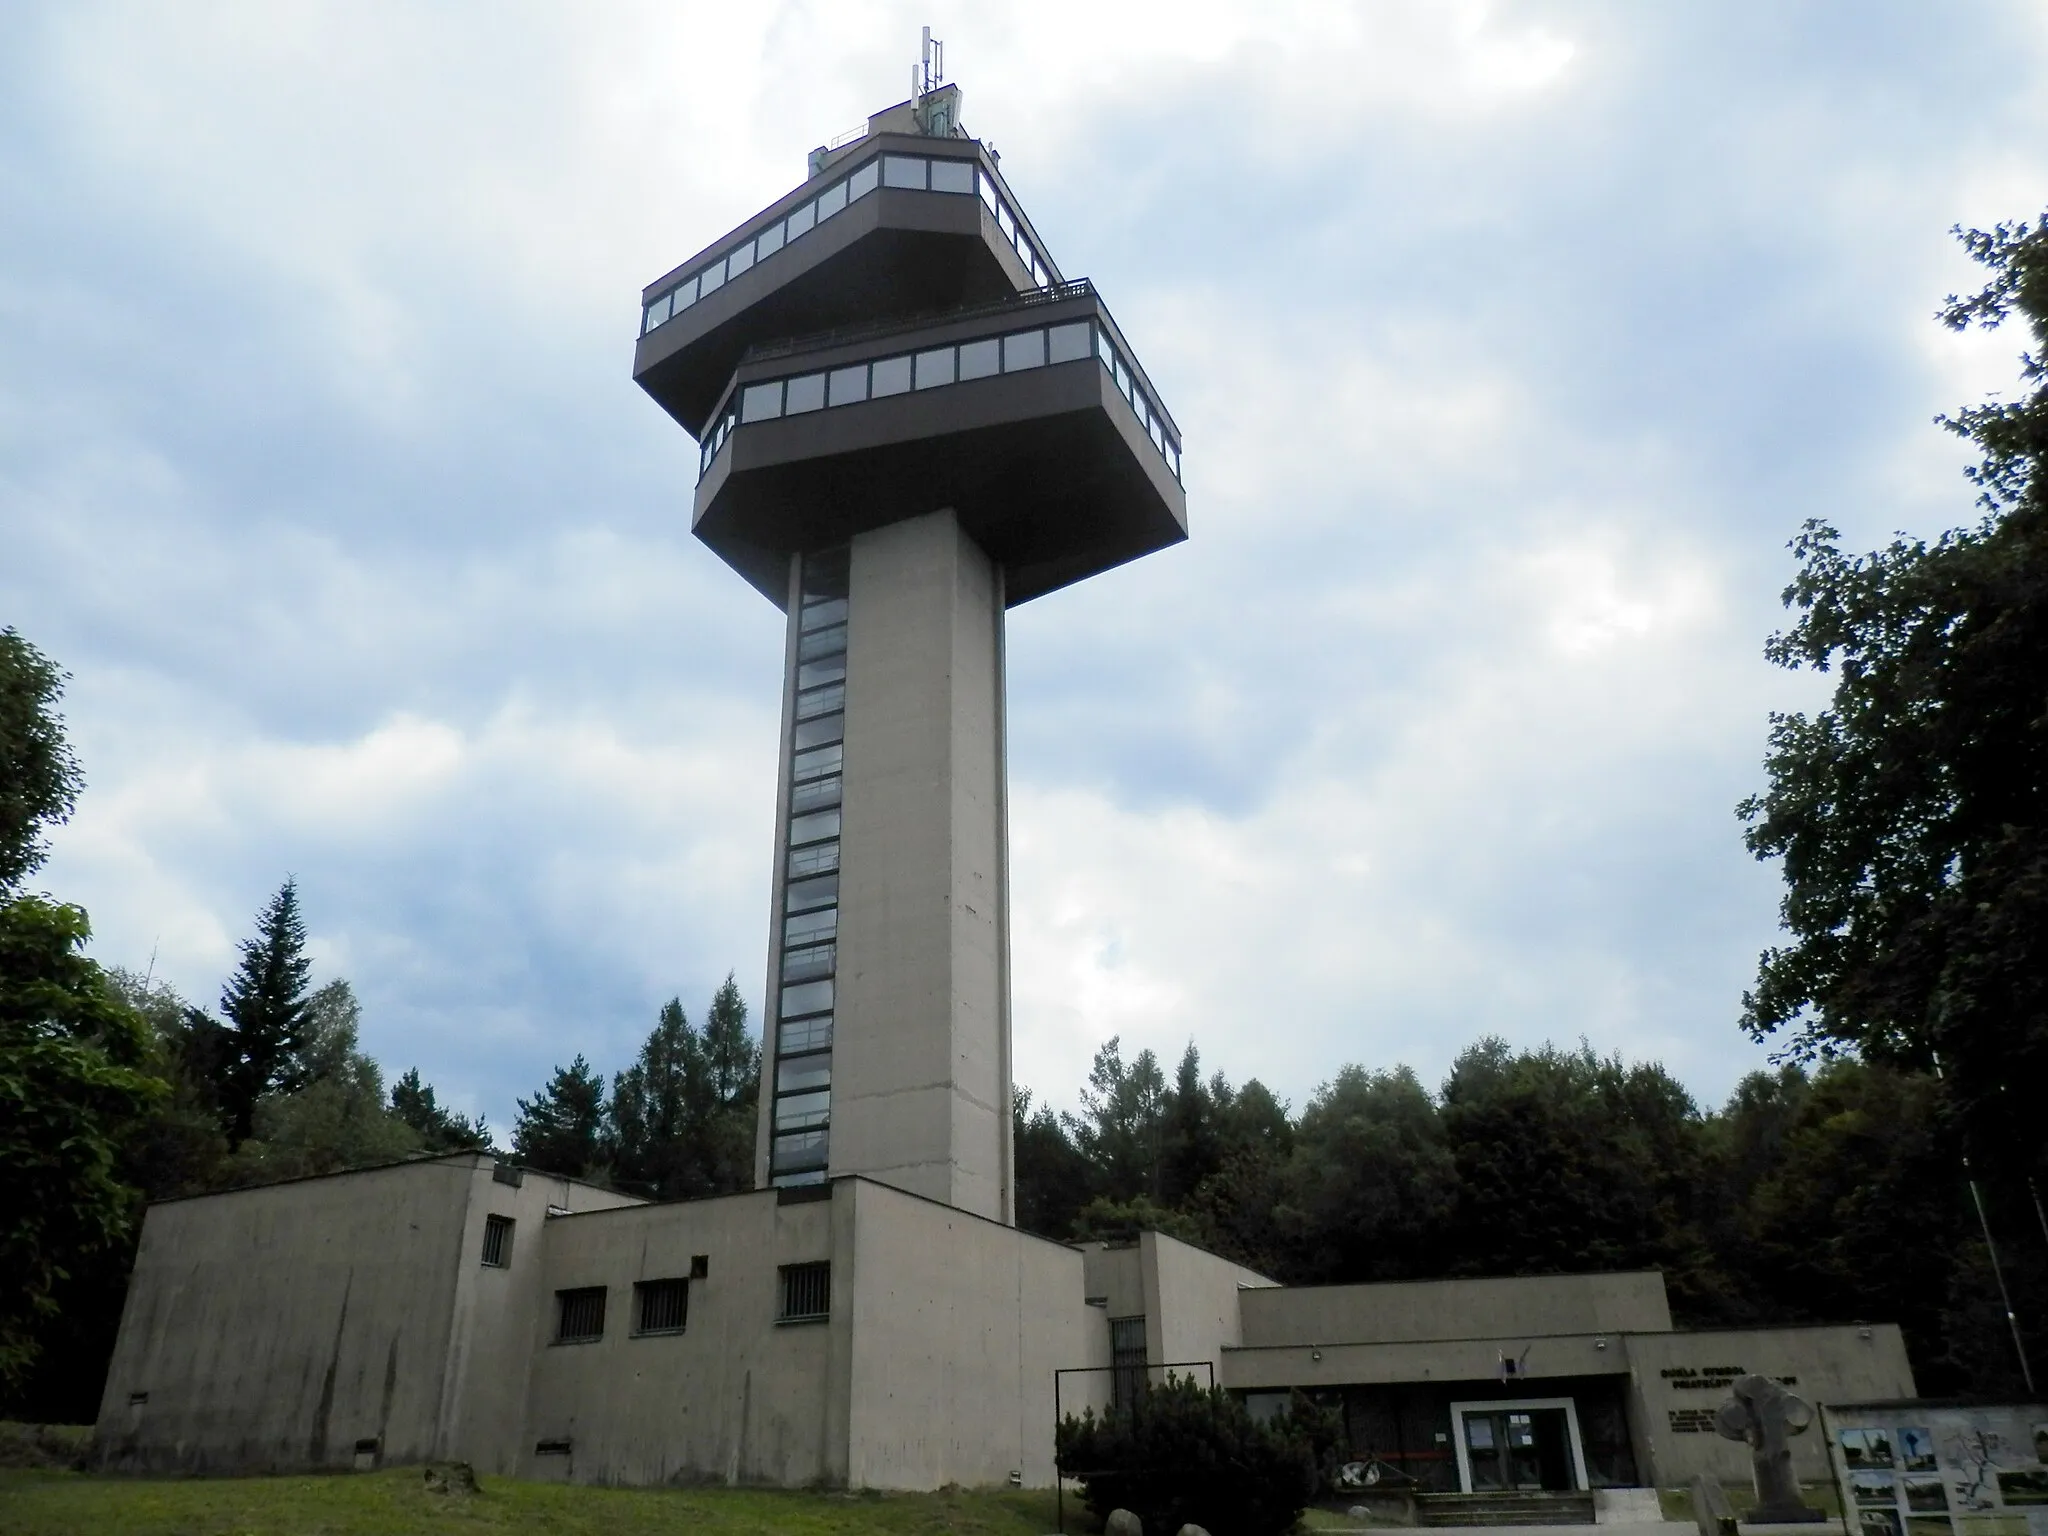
x,y
909,422
853,1334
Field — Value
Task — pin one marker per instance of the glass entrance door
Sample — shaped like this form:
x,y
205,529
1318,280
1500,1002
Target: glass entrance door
x,y
1518,1449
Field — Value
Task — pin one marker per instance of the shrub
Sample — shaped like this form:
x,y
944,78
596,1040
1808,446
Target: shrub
x,y
1185,1454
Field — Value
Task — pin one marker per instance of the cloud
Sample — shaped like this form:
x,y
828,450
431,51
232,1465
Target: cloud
x,y
1510,343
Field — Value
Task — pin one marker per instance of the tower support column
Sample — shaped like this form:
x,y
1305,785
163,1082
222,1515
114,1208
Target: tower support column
x,y
920,996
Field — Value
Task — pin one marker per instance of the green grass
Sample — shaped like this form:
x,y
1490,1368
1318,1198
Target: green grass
x,y
397,1503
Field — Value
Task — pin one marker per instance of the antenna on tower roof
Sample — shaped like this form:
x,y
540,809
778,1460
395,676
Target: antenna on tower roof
x,y
936,104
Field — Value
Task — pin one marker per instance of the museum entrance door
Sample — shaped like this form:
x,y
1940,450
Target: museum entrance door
x,y
1514,1448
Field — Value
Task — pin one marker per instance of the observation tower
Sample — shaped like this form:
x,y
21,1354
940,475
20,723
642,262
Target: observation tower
x,y
909,421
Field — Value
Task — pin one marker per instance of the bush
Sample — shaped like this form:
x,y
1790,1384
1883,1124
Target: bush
x,y
1184,1454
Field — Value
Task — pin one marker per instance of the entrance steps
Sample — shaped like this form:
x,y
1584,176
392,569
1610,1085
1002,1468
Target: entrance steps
x,y
1524,1508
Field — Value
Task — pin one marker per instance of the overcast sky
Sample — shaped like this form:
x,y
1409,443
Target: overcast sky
x,y
1511,343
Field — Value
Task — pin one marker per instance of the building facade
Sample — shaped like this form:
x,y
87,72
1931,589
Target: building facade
x,y
853,1334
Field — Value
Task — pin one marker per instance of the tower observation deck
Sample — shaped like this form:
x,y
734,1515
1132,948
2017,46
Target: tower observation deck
x,y
909,421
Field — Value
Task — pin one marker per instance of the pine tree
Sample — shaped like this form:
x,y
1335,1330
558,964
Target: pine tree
x,y
562,1129
652,1107
268,1010
439,1129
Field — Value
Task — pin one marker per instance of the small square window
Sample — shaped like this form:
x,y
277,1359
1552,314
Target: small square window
x,y
806,1292
810,895
848,386
811,765
892,377
821,611
819,732
805,394
830,201
809,962
903,171
822,700
953,176
768,242
657,312
862,181
761,402
1024,350
808,829
809,927
935,368
740,260
800,222
686,295
700,1265
812,1034
579,1315
818,792
660,1306
803,1074
822,642
802,1111
497,1241
979,359
811,997
710,278
1067,343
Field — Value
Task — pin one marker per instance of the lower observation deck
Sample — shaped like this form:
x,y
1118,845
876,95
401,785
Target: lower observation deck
x,y
1029,419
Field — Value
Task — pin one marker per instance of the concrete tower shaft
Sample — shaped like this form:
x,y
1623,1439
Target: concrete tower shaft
x,y
907,422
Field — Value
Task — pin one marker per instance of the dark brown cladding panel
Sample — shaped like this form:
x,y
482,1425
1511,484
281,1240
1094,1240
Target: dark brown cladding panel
x,y
1049,470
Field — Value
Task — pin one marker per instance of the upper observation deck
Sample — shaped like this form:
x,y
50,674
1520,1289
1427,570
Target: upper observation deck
x,y
895,225
1029,417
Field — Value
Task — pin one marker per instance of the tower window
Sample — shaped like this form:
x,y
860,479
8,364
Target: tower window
x,y
806,1293
497,1241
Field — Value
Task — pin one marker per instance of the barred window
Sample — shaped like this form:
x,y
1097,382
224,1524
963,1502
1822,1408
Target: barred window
x,y
579,1315
497,1241
806,1292
661,1306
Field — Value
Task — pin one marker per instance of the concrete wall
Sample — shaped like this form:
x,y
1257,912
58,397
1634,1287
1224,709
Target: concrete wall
x,y
959,1324
273,1328
735,1397
1270,1367
1846,1364
497,1310
1457,1309
920,1062
1192,1301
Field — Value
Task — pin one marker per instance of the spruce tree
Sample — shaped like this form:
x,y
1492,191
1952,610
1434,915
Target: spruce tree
x,y
562,1128
267,1007
439,1129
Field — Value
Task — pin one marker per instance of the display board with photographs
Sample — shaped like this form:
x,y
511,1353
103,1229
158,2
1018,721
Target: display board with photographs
x,y
1941,1469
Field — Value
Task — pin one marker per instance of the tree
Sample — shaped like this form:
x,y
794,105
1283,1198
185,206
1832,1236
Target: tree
x,y
652,1109
1911,815
332,1116
1373,1181
439,1129
267,1007
39,776
1568,1162
72,1080
1052,1173
682,1116
1121,1129
562,1128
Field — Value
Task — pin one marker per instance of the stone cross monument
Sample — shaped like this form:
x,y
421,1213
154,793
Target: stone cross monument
x,y
1765,1415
